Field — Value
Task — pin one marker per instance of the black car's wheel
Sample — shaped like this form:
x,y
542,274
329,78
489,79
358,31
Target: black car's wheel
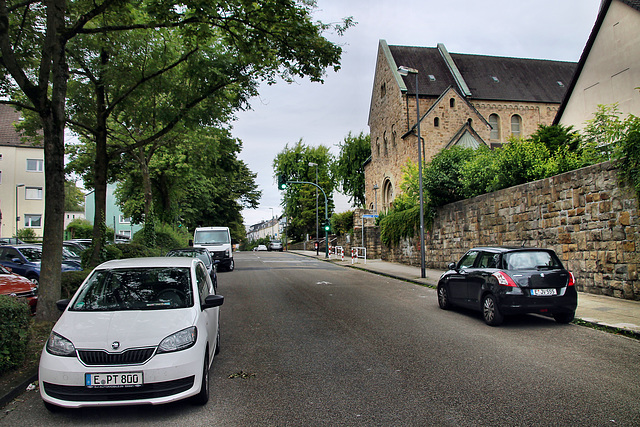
x,y
34,278
564,317
490,311
443,298
203,397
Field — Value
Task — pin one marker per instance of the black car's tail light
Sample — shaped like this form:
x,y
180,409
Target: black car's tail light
x,y
572,279
504,279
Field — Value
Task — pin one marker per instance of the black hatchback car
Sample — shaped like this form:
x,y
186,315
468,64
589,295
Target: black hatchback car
x,y
500,281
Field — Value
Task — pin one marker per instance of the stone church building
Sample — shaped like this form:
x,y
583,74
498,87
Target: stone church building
x,y
467,100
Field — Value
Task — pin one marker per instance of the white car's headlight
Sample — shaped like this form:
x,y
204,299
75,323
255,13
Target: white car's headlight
x,y
181,340
60,346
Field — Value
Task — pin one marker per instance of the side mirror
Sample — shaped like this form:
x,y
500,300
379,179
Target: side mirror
x,y
213,301
452,266
62,304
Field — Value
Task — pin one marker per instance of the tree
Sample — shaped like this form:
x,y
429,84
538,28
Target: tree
x,y
349,167
268,37
73,197
299,200
199,180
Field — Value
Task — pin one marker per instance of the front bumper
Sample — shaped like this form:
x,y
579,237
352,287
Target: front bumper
x,y
167,378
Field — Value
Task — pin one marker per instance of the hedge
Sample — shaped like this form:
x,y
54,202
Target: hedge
x,y
15,316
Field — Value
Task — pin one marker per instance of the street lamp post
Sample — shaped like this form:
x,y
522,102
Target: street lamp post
x,y
17,214
405,71
317,228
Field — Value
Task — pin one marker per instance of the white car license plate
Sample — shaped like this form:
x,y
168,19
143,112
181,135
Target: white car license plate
x,y
544,292
119,379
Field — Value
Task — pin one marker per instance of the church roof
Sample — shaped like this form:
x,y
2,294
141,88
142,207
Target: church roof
x,y
482,77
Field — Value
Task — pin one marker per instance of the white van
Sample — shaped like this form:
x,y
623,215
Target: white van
x,y
217,240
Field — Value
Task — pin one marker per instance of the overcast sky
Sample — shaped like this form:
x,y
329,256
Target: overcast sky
x,y
326,113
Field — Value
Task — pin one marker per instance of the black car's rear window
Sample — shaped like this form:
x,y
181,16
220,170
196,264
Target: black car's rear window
x,y
531,260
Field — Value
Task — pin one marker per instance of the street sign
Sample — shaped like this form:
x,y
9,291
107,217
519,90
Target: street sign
x,y
369,216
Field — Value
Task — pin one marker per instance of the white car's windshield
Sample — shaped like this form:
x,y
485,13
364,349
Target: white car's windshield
x,y
136,289
211,237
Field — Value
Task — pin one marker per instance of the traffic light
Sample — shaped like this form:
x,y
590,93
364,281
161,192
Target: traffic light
x,y
282,182
327,225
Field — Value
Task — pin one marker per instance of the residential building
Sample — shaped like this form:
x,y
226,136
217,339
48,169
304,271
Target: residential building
x,y
269,228
609,68
21,178
114,217
466,100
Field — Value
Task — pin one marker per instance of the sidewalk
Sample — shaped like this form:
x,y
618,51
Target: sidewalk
x,y
599,310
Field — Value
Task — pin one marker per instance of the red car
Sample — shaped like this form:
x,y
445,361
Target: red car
x,y
21,287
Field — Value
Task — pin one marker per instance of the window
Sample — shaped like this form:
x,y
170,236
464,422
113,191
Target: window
x,y
32,221
383,90
203,285
124,220
386,144
452,102
516,125
494,121
468,260
35,165
436,122
33,193
126,233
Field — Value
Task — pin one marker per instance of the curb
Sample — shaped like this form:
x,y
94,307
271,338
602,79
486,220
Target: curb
x,y
18,388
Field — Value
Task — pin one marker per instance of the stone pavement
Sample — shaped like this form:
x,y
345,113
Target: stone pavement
x,y
599,310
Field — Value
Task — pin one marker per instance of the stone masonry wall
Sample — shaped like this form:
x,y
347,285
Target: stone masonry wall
x,y
586,216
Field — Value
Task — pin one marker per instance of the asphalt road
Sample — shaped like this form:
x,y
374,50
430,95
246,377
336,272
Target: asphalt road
x,y
309,343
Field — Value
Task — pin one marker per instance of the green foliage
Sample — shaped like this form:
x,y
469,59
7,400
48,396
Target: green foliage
x,y
26,234
80,229
71,281
479,173
399,224
299,200
15,317
349,167
73,197
520,161
627,153
342,223
442,176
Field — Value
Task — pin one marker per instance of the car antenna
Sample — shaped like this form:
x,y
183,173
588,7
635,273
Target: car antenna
x,y
523,242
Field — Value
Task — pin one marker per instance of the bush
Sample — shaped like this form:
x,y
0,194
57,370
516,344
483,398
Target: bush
x,y
396,225
442,177
71,281
80,229
342,223
135,250
15,317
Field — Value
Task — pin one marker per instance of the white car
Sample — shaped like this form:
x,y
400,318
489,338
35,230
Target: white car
x,y
137,331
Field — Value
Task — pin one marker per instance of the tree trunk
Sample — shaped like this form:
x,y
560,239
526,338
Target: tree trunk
x,y
101,167
53,120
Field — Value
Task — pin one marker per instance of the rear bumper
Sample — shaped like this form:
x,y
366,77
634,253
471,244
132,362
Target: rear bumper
x,y
565,302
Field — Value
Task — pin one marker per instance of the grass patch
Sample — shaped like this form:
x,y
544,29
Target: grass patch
x,y
613,330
